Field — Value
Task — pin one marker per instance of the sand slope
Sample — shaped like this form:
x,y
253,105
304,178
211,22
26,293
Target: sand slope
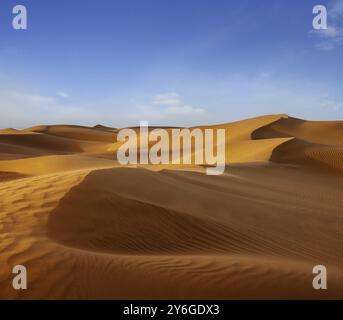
x,y
316,144
87,228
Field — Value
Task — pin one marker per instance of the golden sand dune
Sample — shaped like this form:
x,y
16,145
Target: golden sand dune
x,y
77,132
45,142
242,146
321,132
51,140
104,128
317,144
87,228
51,164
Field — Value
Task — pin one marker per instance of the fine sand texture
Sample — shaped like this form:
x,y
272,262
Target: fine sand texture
x,y
86,227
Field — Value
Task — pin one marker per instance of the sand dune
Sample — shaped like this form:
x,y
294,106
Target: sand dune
x,y
321,132
316,144
77,132
52,164
87,228
54,140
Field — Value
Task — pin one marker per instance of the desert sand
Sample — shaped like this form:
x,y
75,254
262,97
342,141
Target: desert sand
x,y
88,228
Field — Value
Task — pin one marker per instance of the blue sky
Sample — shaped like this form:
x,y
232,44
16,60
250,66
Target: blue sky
x,y
180,62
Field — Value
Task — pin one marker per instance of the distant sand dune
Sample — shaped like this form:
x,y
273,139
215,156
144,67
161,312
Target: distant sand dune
x,y
77,132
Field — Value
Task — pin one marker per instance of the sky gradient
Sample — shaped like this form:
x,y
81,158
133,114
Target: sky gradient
x,y
170,62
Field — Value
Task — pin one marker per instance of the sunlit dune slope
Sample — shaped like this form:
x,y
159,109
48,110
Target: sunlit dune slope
x,y
319,132
240,145
76,132
312,143
51,164
213,223
52,140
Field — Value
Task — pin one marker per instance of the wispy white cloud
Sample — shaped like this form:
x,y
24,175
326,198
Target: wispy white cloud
x,y
185,110
167,108
325,46
170,99
63,94
30,99
22,109
330,103
332,32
